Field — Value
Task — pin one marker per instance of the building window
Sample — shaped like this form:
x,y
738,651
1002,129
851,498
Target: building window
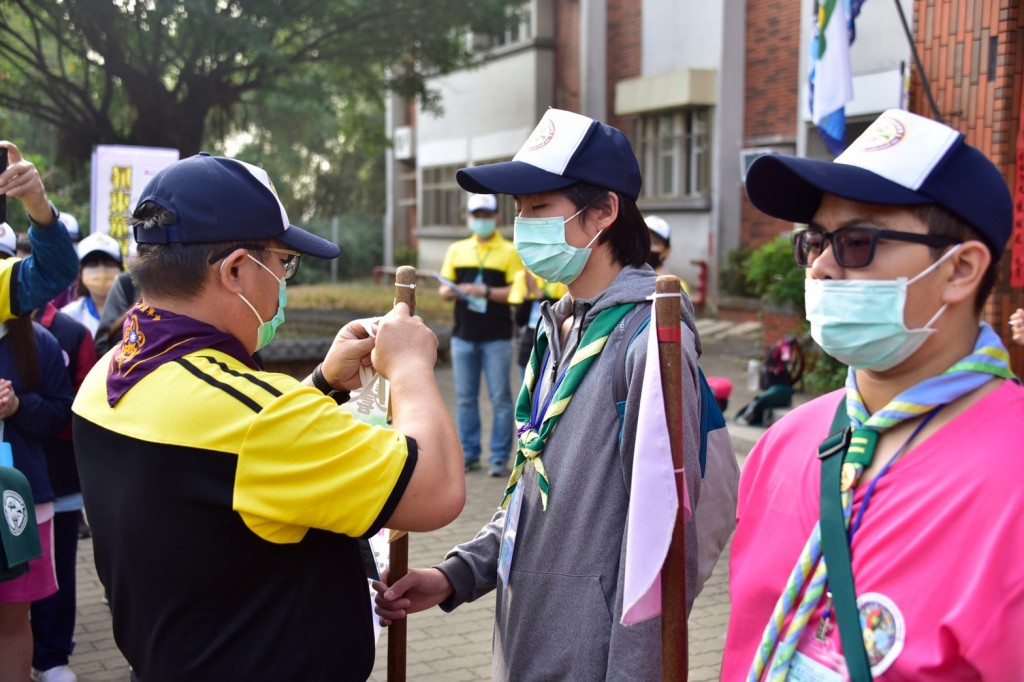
x,y
506,205
444,202
519,32
673,150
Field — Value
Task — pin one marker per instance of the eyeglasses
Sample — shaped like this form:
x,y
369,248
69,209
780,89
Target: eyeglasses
x,y
290,263
854,246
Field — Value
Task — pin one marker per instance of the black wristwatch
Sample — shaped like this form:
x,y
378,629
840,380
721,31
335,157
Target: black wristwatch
x,y
324,386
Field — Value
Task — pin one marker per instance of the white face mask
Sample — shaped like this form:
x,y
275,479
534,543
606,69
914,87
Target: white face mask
x,y
861,322
542,247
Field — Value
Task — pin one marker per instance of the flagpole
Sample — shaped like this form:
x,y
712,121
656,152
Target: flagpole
x,y
398,560
674,645
917,62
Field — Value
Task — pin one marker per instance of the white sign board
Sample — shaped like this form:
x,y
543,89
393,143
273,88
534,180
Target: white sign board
x,y
119,174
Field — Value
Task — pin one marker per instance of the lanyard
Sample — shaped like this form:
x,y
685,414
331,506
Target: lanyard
x,y
481,261
535,415
871,486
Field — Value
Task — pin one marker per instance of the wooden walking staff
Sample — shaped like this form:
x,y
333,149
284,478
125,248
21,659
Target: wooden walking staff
x,y
398,561
674,654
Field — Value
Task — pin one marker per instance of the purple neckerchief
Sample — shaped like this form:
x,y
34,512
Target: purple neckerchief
x,y
152,337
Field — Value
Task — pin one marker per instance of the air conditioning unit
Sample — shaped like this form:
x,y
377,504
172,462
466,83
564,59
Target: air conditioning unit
x,y
402,140
749,154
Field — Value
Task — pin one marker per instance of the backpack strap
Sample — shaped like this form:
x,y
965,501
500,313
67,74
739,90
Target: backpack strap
x,y
835,547
711,417
635,323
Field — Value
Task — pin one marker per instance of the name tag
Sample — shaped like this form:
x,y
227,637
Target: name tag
x,y
508,536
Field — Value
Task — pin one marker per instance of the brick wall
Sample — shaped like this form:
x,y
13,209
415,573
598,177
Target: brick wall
x,y
978,91
770,106
625,35
567,55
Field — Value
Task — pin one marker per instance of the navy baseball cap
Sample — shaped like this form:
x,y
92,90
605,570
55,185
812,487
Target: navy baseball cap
x,y
902,159
215,199
564,149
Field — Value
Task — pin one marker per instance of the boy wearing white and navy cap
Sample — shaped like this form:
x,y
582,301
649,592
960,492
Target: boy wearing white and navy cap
x,y
556,559
921,580
227,502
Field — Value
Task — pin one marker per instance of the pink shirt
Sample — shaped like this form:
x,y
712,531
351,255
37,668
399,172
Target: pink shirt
x,y
939,554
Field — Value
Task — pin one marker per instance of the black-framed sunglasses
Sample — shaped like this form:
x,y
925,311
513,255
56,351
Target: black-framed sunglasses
x,y
853,246
290,263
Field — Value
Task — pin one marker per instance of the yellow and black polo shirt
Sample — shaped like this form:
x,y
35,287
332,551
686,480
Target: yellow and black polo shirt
x,y
496,262
225,504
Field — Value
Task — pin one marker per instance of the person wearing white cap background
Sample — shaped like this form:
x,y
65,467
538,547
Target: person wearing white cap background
x,y
661,246
923,580
661,239
100,263
482,267
555,558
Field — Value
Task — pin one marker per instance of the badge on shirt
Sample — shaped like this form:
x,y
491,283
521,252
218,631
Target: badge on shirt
x,y
884,630
477,304
820,659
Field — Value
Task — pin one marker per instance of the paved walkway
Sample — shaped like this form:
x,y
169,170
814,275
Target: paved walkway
x,y
452,647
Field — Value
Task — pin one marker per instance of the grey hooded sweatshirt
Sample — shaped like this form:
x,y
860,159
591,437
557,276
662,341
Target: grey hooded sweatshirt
x,y
558,619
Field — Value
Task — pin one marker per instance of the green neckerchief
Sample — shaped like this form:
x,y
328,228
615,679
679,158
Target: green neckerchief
x,y
534,431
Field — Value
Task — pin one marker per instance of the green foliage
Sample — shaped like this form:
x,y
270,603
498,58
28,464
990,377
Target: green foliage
x,y
773,276
321,163
296,87
156,73
406,255
361,238
732,278
825,374
364,296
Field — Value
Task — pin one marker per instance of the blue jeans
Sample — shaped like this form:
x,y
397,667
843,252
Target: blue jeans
x,y
495,359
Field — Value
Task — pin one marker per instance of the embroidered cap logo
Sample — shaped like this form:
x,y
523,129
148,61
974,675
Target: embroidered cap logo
x,y
886,132
543,134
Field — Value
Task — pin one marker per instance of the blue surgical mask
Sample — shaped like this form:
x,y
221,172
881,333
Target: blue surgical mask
x,y
542,246
861,322
483,227
265,332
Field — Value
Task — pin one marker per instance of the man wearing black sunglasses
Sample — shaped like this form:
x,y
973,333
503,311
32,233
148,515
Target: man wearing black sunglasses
x,y
900,238
227,502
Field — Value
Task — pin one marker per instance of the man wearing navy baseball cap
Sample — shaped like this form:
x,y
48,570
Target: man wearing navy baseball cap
x,y
226,502
889,515
557,558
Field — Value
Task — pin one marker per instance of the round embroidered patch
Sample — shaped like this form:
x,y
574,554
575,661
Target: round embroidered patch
x,y
884,630
884,133
15,512
542,134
